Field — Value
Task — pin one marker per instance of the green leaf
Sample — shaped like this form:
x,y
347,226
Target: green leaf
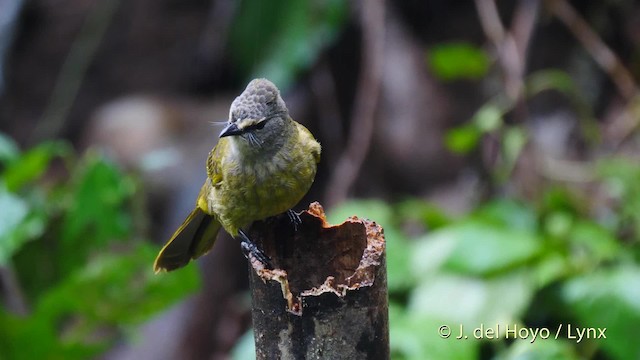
x,y
482,249
415,337
17,336
14,211
608,299
83,294
558,198
550,79
498,236
375,210
277,39
456,300
621,178
430,253
98,210
18,224
462,139
426,213
553,266
454,61
32,164
508,213
398,251
513,141
488,118
114,290
558,224
594,242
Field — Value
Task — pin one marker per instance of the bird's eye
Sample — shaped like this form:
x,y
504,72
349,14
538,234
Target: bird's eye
x,y
260,125
257,126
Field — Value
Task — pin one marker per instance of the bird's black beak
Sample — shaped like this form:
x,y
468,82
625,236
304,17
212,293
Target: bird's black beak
x,y
230,130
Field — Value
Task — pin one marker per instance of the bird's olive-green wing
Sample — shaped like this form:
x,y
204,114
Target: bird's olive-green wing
x,y
214,171
194,238
197,234
307,139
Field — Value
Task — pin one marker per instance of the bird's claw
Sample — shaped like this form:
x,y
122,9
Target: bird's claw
x,y
251,250
294,218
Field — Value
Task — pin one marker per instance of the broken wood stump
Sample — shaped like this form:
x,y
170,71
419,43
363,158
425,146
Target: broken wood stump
x,y
327,296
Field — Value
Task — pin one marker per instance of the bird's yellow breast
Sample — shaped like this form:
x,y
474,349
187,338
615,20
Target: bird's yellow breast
x,y
254,188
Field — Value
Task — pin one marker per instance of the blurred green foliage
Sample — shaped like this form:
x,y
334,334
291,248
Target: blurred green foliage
x,y
563,260
278,39
67,236
457,61
508,262
489,119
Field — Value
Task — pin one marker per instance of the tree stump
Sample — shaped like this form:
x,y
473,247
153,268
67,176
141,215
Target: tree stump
x,y
327,296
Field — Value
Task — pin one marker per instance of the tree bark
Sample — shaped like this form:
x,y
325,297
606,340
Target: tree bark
x,y
327,296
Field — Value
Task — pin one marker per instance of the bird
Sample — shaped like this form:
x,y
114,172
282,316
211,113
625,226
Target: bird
x,y
262,166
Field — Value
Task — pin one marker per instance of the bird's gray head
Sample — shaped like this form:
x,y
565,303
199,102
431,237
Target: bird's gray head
x,y
258,115
260,99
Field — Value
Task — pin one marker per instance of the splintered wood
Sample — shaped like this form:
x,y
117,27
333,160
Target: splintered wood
x,y
328,280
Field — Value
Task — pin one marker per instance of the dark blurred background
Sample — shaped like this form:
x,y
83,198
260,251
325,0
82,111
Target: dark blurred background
x,y
496,142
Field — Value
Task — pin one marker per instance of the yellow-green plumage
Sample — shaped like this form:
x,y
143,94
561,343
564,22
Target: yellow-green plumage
x,y
248,179
254,188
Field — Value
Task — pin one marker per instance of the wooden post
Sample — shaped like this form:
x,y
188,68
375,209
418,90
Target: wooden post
x,y
327,297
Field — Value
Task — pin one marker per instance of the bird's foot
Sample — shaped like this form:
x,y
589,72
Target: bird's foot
x,y
251,250
294,218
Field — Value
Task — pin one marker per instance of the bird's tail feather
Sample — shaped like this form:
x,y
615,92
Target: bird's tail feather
x,y
194,238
